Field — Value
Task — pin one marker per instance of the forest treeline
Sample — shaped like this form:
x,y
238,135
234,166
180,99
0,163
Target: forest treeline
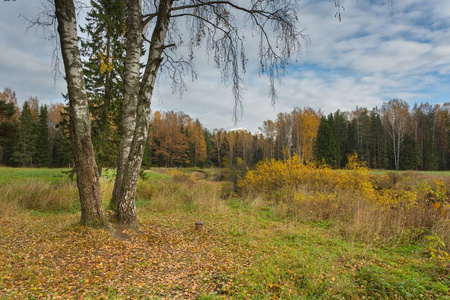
x,y
395,136
33,135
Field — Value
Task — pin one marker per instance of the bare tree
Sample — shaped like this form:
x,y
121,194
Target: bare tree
x,y
165,25
270,133
396,119
218,139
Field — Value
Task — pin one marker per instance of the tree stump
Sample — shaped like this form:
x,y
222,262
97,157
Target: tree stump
x,y
199,225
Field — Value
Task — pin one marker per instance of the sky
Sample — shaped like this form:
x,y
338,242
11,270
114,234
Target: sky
x,y
377,52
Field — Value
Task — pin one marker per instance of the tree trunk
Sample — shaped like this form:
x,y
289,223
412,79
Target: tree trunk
x,y
126,208
80,126
130,94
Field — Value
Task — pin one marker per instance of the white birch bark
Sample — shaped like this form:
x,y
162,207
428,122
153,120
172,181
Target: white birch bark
x,y
130,91
80,126
126,210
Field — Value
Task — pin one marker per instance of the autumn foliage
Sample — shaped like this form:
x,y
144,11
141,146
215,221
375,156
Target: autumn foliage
x,y
383,207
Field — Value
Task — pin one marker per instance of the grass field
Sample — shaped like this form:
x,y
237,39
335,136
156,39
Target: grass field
x,y
10,175
57,175
433,173
247,250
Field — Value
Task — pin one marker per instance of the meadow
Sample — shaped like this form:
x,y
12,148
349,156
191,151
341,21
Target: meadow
x,y
286,232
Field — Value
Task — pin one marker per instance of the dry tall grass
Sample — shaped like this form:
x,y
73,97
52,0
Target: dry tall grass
x,y
44,196
183,192
36,195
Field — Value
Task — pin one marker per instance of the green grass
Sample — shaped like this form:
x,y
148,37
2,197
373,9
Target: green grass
x,y
9,175
56,175
436,173
272,258
150,174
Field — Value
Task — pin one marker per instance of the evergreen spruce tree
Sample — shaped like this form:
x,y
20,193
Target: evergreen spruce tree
x,y
105,49
61,154
377,142
351,137
327,145
341,129
43,139
25,149
8,131
409,153
361,121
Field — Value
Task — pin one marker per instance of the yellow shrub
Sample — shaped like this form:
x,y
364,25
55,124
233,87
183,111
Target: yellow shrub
x,y
434,192
383,207
270,178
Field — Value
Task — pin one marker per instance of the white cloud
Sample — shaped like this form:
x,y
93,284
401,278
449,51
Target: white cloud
x,y
376,53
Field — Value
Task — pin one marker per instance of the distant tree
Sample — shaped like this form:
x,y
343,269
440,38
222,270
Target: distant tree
x,y
269,132
396,119
43,139
231,142
61,152
197,143
442,135
33,103
424,118
247,146
58,128
158,153
59,131
147,157
243,147
283,127
8,130
304,132
209,146
341,127
351,137
409,153
8,96
377,142
327,148
169,143
219,140
430,158
25,148
261,146
361,126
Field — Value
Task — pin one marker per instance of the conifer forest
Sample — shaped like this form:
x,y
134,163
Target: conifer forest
x,y
393,137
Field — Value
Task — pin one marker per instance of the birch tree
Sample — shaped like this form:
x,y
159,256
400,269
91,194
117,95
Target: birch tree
x,y
269,132
161,28
396,119
80,125
218,139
